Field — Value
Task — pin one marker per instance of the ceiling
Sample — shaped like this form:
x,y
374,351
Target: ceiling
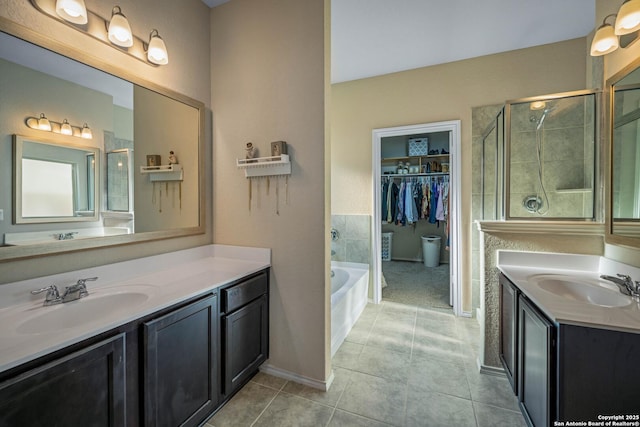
x,y
374,37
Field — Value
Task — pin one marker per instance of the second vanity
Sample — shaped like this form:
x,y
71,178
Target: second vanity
x,y
569,341
163,340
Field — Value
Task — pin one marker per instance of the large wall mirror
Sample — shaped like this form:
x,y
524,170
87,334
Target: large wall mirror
x,y
99,191
623,209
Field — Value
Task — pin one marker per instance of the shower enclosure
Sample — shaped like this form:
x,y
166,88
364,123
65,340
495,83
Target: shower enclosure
x,y
539,159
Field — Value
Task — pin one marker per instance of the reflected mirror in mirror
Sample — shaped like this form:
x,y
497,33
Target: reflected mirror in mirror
x,y
53,182
625,156
115,204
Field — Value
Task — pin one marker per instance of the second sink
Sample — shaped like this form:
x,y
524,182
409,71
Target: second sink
x,y
583,290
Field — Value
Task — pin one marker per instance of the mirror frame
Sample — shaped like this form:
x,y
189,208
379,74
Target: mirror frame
x,y
36,250
18,147
609,237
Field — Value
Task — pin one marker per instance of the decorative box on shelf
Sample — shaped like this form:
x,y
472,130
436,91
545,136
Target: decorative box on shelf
x,y
163,172
418,146
265,166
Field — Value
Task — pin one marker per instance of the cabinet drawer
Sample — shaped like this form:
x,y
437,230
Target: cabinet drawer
x,y
238,295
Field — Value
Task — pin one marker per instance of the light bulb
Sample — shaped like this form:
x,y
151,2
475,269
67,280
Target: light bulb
x,y
65,128
604,41
628,19
73,11
86,132
119,29
43,123
157,50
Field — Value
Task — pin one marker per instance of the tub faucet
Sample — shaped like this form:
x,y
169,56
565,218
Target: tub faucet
x,y
625,284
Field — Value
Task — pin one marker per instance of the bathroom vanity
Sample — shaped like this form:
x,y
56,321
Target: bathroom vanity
x,y
568,341
172,358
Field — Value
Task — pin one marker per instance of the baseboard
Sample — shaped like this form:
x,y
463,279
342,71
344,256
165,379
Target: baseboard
x,y
490,370
296,378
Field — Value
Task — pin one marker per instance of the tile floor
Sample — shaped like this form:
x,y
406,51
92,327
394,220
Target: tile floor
x,y
414,284
401,365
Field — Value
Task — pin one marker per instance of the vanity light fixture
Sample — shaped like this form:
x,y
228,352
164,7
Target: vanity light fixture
x,y
605,40
156,49
86,132
72,10
119,29
628,19
622,33
64,128
114,31
43,123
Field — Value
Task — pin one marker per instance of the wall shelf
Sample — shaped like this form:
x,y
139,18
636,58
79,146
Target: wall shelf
x,y
163,172
265,166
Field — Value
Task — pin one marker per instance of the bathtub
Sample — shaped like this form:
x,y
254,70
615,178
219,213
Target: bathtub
x,y
349,292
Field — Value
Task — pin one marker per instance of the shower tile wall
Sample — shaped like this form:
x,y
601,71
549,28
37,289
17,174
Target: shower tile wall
x,y
354,244
480,118
117,181
568,152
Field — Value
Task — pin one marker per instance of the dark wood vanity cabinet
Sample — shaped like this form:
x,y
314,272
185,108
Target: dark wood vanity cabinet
x,y
180,366
509,326
567,372
535,368
175,367
84,388
245,331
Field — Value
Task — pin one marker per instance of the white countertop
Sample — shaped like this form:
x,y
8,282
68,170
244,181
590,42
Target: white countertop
x,y
164,280
522,268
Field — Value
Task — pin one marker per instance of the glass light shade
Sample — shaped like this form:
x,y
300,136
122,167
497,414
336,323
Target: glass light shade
x,y
43,123
72,10
119,29
86,132
628,19
65,128
604,41
157,51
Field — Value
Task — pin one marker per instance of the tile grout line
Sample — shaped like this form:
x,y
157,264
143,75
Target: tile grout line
x,y
268,404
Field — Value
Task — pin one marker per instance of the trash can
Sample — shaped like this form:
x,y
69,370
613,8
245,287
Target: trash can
x,y
387,241
431,251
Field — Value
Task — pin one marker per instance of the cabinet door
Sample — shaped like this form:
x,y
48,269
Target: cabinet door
x,y
246,343
535,369
180,369
85,388
508,329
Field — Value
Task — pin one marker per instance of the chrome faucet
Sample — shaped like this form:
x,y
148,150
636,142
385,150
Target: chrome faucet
x,y
625,283
71,293
65,236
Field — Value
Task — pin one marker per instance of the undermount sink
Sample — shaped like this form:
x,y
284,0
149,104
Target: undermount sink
x,y
582,290
71,314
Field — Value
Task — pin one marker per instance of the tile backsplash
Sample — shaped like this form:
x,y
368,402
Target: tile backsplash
x,y
354,241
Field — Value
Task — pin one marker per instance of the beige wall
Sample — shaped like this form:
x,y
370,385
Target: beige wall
x,y
184,26
432,94
268,84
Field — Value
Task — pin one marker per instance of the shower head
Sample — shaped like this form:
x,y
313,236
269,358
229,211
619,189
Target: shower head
x,y
546,111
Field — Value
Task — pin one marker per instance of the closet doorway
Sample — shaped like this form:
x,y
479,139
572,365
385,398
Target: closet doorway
x,y
407,144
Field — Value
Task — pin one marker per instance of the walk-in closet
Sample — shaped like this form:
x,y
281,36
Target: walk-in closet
x,y
414,209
